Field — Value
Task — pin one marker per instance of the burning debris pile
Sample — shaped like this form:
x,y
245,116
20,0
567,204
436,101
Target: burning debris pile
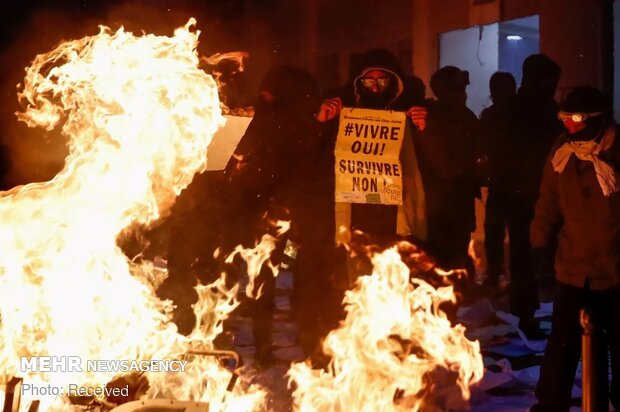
x,y
395,351
139,115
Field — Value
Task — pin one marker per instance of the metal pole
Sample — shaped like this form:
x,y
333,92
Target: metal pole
x,y
223,354
594,366
34,406
12,395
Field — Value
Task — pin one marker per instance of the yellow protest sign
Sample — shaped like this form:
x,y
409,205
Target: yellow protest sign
x,y
368,169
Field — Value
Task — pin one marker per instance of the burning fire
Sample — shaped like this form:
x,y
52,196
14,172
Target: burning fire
x,y
258,256
139,115
396,350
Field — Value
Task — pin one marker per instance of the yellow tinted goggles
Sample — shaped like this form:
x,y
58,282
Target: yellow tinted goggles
x,y
370,82
577,117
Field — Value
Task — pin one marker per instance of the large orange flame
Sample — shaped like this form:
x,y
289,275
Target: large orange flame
x,y
258,256
139,115
395,351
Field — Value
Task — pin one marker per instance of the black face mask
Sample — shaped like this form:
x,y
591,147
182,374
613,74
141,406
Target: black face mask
x,y
594,129
371,100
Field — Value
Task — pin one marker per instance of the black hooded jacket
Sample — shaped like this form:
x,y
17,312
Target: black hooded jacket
x,y
379,221
398,95
279,155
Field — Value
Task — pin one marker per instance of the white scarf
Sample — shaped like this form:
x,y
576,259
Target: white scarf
x,y
589,150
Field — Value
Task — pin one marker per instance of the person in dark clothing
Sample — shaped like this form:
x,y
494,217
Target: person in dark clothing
x,y
271,175
280,134
377,83
197,227
579,205
414,90
497,131
537,121
536,126
449,150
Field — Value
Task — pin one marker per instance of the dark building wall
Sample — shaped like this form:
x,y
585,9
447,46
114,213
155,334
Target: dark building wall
x,y
431,18
514,9
317,34
345,27
571,32
321,34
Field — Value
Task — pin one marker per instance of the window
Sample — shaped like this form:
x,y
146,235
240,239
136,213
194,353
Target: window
x,y
483,50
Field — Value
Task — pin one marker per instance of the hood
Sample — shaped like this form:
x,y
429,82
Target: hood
x,y
378,59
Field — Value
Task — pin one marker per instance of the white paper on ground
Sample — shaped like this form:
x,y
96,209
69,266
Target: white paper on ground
x,y
534,345
546,309
509,378
545,325
528,377
486,333
225,141
492,380
478,314
575,392
514,348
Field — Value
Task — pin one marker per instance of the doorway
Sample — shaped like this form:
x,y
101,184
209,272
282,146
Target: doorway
x,y
483,50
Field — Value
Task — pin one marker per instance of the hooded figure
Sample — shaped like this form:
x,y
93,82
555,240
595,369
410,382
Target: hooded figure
x,y
448,153
503,88
378,97
527,127
355,94
536,122
497,131
540,76
377,82
272,174
585,112
281,131
579,208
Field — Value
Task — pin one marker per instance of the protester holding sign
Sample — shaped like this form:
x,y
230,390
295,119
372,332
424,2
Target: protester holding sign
x,y
368,169
384,197
374,183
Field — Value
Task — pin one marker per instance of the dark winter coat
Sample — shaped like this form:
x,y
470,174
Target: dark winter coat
x,y
283,168
537,128
501,146
381,222
447,151
572,208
